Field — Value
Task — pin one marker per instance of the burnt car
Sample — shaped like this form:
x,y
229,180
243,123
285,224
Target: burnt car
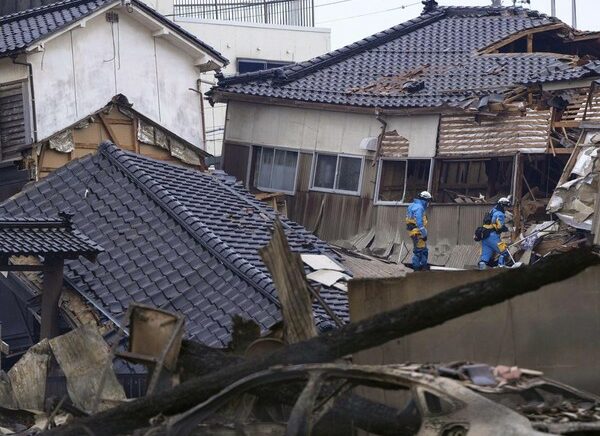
x,y
442,400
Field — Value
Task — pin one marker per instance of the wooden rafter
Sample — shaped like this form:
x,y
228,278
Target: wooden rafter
x,y
525,33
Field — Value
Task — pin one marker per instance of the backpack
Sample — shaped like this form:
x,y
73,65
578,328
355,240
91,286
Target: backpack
x,y
487,218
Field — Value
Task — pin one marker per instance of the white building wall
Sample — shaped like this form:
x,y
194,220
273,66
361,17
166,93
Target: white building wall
x,y
237,40
10,72
321,130
78,72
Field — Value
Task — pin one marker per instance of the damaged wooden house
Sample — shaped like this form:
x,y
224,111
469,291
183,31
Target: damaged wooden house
x,y
62,63
173,238
447,102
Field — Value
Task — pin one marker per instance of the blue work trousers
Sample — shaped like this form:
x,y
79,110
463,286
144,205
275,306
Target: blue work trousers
x,y
420,253
489,248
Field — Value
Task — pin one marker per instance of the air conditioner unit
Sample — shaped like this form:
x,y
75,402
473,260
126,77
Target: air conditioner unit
x,y
369,143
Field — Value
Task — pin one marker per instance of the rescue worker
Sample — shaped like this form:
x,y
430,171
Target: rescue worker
x,y
416,224
494,226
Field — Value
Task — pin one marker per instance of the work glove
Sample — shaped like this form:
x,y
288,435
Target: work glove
x,y
423,231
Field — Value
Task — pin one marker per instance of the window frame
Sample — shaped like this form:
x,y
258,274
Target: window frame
x,y
265,62
258,155
513,177
313,171
377,201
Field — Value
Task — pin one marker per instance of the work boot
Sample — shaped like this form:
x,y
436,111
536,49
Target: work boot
x,y
482,266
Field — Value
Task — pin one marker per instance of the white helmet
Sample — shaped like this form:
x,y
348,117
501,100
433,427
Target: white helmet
x,y
504,201
425,196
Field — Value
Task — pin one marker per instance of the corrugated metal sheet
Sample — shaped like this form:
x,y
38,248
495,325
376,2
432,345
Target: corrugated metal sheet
x,y
394,145
13,130
463,135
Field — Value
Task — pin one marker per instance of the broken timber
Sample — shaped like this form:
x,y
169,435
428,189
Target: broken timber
x,y
349,339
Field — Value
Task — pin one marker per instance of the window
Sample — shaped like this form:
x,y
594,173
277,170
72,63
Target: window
x,y
276,169
471,179
401,180
337,173
251,65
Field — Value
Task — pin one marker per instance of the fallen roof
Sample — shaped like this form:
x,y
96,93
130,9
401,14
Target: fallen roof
x,y
21,30
565,72
44,236
175,238
430,61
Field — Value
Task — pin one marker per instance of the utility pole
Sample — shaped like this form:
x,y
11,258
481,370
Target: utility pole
x,y
574,13
553,8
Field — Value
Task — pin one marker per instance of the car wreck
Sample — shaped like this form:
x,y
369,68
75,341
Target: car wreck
x,y
441,400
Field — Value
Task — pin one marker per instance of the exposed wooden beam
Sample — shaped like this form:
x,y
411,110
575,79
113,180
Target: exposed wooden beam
x,y
530,43
111,133
515,36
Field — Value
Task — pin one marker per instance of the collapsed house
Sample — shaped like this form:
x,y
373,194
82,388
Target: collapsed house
x,y
62,62
449,102
173,238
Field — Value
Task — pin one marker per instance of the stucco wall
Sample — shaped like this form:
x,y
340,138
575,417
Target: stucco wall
x,y
311,129
9,72
79,71
554,329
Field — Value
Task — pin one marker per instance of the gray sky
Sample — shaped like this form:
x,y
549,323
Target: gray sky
x,y
346,30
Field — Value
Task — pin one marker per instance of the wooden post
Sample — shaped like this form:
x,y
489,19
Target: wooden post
x,y
518,189
52,286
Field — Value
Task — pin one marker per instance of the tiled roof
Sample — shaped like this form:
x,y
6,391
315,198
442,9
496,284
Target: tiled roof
x,y
440,49
175,238
44,236
565,72
20,30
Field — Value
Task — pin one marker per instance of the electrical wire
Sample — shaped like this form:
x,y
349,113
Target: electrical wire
x,y
369,13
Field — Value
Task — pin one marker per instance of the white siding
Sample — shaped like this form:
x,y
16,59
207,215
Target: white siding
x,y
139,67
320,130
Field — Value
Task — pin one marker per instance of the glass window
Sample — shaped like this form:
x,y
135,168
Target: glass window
x,y
401,180
337,173
252,65
348,175
276,169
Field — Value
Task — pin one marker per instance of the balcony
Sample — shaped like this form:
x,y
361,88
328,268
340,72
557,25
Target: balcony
x,y
279,12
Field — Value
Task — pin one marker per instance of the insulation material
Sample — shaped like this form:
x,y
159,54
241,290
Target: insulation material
x,y
464,135
320,261
186,154
83,357
327,277
394,145
63,141
145,133
574,202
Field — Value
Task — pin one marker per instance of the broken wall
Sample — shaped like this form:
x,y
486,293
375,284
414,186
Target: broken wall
x,y
553,330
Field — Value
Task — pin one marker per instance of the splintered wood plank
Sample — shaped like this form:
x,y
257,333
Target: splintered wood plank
x,y
295,297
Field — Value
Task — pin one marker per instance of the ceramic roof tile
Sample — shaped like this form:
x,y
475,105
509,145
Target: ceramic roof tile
x,y
440,48
20,30
152,253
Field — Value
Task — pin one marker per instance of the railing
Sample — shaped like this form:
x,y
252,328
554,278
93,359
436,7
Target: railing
x,y
283,12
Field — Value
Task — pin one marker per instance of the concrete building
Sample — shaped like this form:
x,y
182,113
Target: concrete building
x,y
251,37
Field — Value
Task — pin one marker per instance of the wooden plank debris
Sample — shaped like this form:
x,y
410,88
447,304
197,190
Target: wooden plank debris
x,y
82,355
292,289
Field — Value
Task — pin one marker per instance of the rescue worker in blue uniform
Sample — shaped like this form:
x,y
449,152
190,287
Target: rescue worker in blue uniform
x,y
416,224
492,244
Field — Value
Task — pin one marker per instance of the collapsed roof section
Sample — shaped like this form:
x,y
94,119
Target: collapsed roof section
x,y
441,58
174,238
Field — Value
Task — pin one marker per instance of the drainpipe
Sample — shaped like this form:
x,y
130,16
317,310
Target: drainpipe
x,y
379,117
32,91
202,114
